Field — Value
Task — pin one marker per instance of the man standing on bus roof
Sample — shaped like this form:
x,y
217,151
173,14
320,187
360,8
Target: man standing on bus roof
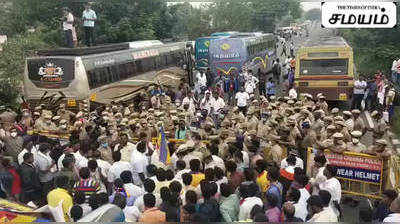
x,y
89,17
358,93
68,25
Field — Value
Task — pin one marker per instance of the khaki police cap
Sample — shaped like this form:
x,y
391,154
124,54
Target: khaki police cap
x,y
337,135
374,113
335,110
381,142
252,132
331,127
348,113
356,134
341,123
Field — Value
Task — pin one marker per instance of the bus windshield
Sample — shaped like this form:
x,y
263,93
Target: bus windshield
x,y
324,67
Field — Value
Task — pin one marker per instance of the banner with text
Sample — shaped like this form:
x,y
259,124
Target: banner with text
x,y
356,167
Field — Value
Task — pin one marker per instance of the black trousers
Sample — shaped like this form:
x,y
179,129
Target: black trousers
x,y
68,38
356,103
243,109
89,36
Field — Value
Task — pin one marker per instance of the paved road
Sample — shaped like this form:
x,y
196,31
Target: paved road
x,y
350,214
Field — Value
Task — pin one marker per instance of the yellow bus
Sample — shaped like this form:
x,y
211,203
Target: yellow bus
x,y
325,65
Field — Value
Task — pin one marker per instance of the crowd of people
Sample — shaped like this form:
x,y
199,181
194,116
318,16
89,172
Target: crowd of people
x,y
237,151
244,162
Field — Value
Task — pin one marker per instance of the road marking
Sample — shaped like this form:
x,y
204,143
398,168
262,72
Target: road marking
x,y
369,119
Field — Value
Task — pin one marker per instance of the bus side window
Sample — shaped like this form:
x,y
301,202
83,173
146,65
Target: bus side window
x,y
122,71
130,69
109,74
139,66
114,72
91,79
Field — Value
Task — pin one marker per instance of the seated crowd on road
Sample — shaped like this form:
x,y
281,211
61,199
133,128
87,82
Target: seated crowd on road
x,y
241,162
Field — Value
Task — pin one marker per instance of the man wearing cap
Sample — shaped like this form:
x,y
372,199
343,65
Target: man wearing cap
x,y
380,149
341,127
322,103
348,120
355,145
65,114
338,146
380,127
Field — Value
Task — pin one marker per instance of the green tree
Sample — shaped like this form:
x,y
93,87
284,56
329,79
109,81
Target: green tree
x,y
313,14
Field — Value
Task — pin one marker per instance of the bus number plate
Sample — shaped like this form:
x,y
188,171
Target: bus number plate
x,y
343,96
71,103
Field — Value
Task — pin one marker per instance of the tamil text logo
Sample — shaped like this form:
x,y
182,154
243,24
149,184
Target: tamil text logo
x,y
358,14
51,72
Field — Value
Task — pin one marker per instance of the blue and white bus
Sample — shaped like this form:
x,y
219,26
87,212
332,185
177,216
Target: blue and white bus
x,y
229,55
201,51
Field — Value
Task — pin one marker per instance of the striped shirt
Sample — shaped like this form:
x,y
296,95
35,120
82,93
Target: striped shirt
x,y
87,186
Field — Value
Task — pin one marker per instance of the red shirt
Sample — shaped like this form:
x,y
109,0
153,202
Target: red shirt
x,y
16,184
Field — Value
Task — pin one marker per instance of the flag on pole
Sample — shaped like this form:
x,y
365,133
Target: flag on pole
x,y
163,146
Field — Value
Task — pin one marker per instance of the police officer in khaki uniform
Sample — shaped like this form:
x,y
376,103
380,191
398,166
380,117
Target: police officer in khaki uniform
x,y
358,121
355,145
339,146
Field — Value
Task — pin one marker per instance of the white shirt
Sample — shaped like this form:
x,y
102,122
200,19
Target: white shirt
x,y
326,215
207,104
300,210
359,87
80,161
133,190
190,101
292,93
242,98
304,195
88,14
246,206
116,169
395,217
299,163
131,213
24,151
201,79
333,186
216,162
178,175
104,166
218,104
43,163
139,163
126,152
68,26
250,84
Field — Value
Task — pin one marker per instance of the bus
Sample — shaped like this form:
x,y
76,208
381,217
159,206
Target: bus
x,y
325,65
103,74
231,54
224,34
201,51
